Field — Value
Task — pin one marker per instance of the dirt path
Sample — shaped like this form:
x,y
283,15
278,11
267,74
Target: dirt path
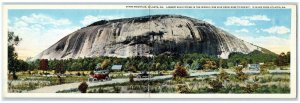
x,y
69,86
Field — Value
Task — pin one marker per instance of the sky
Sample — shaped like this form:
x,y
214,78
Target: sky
x,y
41,28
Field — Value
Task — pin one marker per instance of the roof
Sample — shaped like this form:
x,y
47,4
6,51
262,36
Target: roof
x,y
116,67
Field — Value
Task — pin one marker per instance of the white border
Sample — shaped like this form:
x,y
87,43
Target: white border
x,y
136,95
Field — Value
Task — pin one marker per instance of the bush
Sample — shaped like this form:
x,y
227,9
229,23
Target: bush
x,y
182,89
250,88
117,89
92,73
179,71
240,75
216,85
223,76
100,90
131,78
15,77
83,87
263,70
60,80
78,74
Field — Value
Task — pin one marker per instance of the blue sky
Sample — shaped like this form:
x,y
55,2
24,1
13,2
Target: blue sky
x,y
258,26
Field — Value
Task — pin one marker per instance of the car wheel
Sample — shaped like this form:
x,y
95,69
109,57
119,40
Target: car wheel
x,y
107,78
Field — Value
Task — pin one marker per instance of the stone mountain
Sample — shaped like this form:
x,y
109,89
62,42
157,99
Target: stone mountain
x,y
147,36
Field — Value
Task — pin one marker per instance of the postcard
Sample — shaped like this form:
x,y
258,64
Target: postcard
x,y
149,51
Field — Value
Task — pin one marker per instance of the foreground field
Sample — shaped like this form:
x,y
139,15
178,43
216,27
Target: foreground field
x,y
205,82
276,81
27,82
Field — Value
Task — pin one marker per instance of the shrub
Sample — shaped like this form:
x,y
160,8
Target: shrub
x,y
263,70
182,89
83,87
250,88
210,65
15,77
131,78
216,85
223,76
179,71
92,73
117,89
83,74
78,74
240,75
100,90
60,80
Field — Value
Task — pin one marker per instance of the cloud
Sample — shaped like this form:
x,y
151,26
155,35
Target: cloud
x,y
43,20
90,19
209,21
38,32
238,21
257,17
242,31
246,20
273,43
277,30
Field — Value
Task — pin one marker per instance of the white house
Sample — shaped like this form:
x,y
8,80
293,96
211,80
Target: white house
x,y
116,67
255,67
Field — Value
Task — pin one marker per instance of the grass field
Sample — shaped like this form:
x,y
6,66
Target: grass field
x,y
258,84
255,83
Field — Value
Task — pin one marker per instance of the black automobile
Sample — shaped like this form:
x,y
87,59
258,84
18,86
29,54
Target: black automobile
x,y
143,74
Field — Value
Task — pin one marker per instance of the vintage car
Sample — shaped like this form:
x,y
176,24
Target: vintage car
x,y
99,75
143,74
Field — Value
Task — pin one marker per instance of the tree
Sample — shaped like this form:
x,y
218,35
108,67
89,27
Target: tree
x,y
132,68
223,76
59,68
105,64
283,59
223,63
263,69
240,75
13,41
43,64
195,66
210,65
179,71
158,67
83,87
244,63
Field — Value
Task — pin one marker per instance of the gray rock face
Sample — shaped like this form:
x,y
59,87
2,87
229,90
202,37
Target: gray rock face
x,y
147,36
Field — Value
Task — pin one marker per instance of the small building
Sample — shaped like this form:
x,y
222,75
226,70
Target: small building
x,y
255,67
116,67
261,63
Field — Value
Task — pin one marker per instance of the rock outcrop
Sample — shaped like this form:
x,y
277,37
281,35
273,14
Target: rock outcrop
x,y
147,36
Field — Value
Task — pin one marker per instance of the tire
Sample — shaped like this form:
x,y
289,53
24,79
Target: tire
x,y
107,78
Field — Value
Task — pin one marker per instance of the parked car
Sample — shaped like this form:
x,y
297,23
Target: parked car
x,y
143,74
99,75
